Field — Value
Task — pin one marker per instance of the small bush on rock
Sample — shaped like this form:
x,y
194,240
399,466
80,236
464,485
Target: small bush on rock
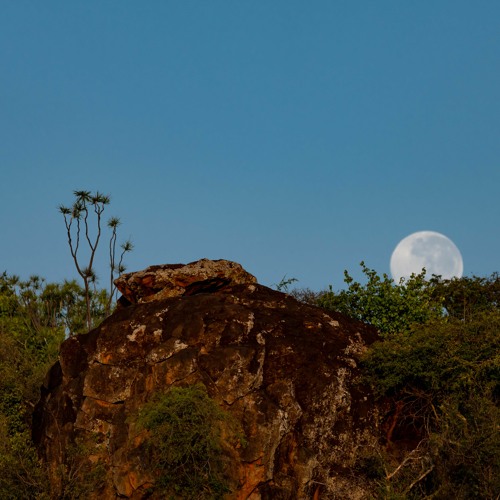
x,y
188,432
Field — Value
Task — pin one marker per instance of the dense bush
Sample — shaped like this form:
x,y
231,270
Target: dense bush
x,y
464,298
437,368
443,379
188,432
35,317
436,371
29,343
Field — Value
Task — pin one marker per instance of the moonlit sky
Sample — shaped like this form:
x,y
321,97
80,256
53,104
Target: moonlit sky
x,y
294,137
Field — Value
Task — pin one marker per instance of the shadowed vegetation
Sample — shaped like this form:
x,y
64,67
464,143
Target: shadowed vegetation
x,y
189,435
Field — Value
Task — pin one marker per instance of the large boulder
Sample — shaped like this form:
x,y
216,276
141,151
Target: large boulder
x,y
173,280
287,371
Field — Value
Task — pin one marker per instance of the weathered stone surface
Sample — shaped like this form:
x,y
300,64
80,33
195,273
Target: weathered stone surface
x,y
172,280
284,369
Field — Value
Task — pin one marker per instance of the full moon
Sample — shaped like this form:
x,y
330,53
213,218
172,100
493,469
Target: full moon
x,y
426,249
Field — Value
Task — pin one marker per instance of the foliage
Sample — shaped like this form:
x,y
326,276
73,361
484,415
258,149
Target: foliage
x,y
30,333
79,477
284,283
79,228
67,304
444,380
393,479
394,307
437,366
440,356
22,475
34,318
465,297
389,307
187,432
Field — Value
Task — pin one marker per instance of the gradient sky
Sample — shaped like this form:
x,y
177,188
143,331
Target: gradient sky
x,y
294,137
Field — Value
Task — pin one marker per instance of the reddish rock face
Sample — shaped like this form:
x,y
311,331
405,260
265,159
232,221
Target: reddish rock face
x,y
173,280
284,369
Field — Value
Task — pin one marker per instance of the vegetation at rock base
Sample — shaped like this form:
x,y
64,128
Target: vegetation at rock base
x,y
437,369
30,333
22,474
35,317
442,380
79,477
188,437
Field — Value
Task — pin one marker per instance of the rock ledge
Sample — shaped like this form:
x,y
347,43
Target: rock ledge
x,y
173,280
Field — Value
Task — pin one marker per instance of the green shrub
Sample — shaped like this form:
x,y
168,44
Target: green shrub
x,y
79,477
389,307
463,298
22,474
188,433
444,377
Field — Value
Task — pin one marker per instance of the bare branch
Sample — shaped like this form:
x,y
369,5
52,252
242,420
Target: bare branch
x,y
427,472
80,212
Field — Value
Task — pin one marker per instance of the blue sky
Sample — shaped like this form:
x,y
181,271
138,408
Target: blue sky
x,y
296,138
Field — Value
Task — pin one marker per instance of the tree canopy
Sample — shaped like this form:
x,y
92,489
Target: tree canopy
x,y
436,370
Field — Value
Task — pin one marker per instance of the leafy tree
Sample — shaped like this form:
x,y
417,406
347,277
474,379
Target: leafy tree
x,y
34,319
464,298
394,307
78,228
389,307
68,306
30,334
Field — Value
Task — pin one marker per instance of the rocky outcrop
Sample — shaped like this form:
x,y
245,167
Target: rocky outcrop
x,y
173,280
286,370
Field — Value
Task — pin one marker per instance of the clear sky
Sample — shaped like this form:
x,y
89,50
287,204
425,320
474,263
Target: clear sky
x,y
294,137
